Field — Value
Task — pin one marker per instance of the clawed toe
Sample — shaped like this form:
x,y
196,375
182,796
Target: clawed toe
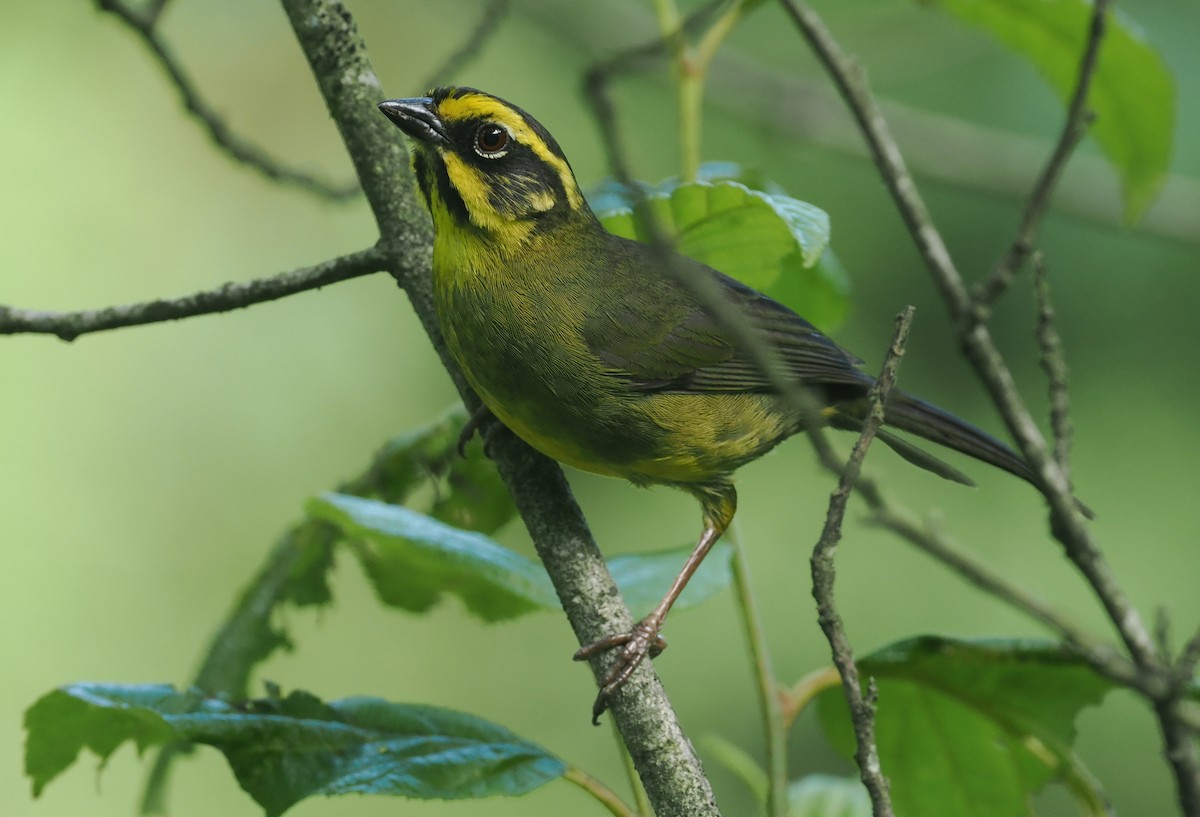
x,y
635,645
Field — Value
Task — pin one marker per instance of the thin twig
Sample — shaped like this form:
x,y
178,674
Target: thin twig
x,y
1078,119
862,708
890,515
1069,526
1067,522
1054,364
142,22
936,544
1189,657
939,147
234,295
487,26
154,10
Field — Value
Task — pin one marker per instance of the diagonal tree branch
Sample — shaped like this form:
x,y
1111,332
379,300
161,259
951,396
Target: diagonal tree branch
x,y
940,148
1067,523
142,22
488,23
1074,128
1054,364
664,758
226,298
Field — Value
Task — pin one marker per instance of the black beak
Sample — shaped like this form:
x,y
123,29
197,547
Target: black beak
x,y
417,118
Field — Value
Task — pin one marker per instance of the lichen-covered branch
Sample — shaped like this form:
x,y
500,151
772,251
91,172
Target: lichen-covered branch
x,y
664,758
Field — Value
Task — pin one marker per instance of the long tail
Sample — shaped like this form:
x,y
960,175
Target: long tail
x,y
911,414
926,420
915,416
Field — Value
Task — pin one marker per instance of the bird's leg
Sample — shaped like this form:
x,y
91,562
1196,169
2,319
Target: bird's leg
x,y
478,417
719,503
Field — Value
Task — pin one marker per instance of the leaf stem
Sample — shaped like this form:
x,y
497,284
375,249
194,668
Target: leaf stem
x,y
795,700
764,676
644,809
604,795
691,64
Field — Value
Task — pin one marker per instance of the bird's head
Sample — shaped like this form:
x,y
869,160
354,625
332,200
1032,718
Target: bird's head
x,y
484,164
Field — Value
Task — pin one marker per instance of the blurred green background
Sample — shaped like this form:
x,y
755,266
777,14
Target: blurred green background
x,y
146,471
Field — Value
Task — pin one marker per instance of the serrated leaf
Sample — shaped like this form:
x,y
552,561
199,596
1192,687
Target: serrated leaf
x,y
1132,93
645,577
284,750
970,727
822,795
767,240
412,559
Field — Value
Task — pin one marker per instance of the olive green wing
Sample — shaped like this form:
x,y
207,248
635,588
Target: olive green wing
x,y
658,337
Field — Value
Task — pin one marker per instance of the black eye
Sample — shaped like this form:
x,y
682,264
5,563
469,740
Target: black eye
x,y
490,140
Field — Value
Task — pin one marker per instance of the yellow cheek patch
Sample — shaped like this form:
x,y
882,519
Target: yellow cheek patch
x,y
542,202
478,106
473,189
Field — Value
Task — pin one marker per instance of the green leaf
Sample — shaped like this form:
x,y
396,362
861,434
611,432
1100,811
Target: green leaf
x,y
645,577
1132,93
466,492
821,795
767,240
971,727
283,750
412,559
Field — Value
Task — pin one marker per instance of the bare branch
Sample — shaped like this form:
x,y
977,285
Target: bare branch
x,y
226,298
1067,523
142,22
1054,364
938,147
465,53
862,709
1074,128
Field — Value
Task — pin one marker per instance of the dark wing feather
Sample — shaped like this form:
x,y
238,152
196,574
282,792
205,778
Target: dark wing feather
x,y
659,338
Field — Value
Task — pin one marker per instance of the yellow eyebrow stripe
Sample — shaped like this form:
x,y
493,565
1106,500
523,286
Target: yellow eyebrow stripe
x,y
478,106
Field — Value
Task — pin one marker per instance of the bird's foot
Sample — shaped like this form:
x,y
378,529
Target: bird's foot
x,y
483,422
635,645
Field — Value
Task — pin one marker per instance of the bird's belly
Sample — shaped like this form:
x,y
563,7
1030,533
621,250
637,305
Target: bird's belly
x,y
536,375
704,437
539,378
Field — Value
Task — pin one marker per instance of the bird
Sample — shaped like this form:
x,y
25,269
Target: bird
x,y
595,352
